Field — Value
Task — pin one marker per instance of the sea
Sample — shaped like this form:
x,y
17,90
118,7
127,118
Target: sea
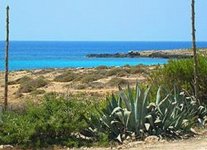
x,y
27,55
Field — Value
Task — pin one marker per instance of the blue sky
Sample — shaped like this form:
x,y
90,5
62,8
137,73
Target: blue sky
x,y
103,20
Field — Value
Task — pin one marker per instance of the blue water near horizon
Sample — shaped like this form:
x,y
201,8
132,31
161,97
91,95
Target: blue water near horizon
x,y
42,55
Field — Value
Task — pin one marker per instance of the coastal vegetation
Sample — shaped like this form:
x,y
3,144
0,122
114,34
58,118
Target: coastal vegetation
x,y
58,119
181,74
53,121
166,101
161,105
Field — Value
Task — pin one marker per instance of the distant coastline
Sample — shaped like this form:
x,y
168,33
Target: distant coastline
x,y
167,54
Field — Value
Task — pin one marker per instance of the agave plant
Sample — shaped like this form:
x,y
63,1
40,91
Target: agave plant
x,y
175,113
113,119
125,115
137,104
130,113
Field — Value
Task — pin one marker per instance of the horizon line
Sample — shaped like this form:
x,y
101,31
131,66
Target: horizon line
x,y
97,41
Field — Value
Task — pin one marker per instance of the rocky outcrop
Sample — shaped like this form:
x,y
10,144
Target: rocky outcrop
x,y
168,54
116,55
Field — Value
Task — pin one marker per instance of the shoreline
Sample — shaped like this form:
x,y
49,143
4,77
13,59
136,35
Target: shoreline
x,y
166,54
150,54
79,68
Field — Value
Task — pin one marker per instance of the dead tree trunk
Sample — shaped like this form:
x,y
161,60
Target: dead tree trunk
x,y
6,59
194,52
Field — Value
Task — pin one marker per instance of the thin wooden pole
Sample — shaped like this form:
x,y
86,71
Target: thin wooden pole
x,y
194,52
6,60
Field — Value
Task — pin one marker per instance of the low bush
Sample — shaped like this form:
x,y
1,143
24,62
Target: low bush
x,y
27,86
138,69
115,71
122,73
115,82
96,85
102,67
180,72
65,77
54,121
90,78
21,80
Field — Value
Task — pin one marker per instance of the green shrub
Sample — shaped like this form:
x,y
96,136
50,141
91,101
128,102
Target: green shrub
x,y
54,121
117,81
65,77
138,69
21,80
96,85
122,73
115,71
102,67
90,78
32,85
180,72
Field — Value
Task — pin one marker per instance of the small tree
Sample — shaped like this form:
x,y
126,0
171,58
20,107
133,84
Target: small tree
x,y
6,59
194,51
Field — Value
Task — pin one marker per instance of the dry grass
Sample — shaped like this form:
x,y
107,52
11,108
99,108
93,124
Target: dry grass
x,y
102,80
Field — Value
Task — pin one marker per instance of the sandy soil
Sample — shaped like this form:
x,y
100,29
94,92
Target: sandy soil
x,y
199,143
64,87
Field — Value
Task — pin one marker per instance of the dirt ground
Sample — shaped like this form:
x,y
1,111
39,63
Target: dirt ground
x,y
65,87
197,143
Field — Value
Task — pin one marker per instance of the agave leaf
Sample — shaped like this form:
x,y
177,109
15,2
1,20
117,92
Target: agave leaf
x,y
147,126
120,115
120,102
116,110
138,94
106,121
113,102
138,120
125,99
160,105
168,113
119,138
108,108
130,96
150,119
158,121
158,97
115,122
179,122
126,117
144,106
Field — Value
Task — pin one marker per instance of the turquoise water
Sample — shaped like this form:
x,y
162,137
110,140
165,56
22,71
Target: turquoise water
x,y
39,55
